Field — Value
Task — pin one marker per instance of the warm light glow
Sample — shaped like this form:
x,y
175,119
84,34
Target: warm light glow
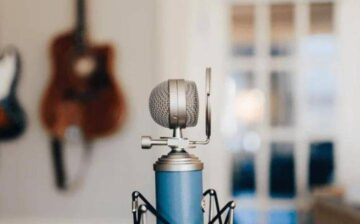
x,y
250,106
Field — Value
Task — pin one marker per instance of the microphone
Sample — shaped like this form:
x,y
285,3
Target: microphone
x,y
174,104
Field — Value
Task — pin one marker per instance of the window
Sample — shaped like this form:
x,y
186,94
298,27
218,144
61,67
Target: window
x,y
280,95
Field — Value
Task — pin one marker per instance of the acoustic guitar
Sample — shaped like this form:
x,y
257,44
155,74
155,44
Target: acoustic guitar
x,y
12,116
82,91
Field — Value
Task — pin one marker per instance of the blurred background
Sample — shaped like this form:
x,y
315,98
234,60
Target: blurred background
x,y
286,87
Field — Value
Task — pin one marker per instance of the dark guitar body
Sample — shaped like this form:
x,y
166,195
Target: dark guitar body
x,y
13,119
95,103
12,115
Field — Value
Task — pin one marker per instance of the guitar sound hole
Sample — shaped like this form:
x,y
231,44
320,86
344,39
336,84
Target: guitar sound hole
x,y
84,66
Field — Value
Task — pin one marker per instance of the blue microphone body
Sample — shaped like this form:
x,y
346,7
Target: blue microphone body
x,y
179,188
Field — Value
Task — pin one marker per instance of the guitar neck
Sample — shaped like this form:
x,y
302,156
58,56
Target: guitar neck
x,y
80,29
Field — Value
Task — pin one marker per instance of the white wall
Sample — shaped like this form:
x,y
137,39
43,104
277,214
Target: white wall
x,y
119,166
349,94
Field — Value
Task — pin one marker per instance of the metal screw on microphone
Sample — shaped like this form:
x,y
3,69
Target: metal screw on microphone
x,y
146,142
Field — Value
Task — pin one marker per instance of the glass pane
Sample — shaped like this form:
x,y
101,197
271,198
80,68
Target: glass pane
x,y
282,29
244,175
321,18
283,216
321,165
243,80
281,99
282,170
246,216
243,30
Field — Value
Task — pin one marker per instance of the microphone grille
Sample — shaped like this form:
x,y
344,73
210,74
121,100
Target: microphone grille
x,y
159,104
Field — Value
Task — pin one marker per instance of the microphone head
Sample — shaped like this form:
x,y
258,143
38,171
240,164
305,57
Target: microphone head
x,y
175,104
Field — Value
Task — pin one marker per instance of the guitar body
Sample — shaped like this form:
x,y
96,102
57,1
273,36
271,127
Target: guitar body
x,y
93,103
12,116
82,93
